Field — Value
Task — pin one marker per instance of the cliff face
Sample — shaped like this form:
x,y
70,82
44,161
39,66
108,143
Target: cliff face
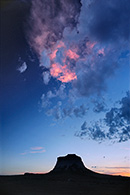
x,y
70,163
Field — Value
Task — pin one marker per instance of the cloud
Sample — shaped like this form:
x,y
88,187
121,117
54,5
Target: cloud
x,y
80,44
93,69
23,153
22,68
46,98
46,77
118,120
117,167
79,56
62,73
125,105
44,101
45,60
115,126
84,126
34,150
95,132
37,151
75,111
103,36
54,36
109,19
48,21
55,111
99,106
80,111
61,112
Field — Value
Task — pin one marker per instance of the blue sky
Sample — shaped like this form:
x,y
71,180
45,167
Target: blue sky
x,y
65,85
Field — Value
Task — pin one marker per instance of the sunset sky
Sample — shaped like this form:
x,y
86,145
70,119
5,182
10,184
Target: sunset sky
x,y
64,82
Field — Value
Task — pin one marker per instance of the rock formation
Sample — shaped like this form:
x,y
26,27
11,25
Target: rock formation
x,y
70,163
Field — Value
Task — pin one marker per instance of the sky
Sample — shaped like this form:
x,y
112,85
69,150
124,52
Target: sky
x,y
64,81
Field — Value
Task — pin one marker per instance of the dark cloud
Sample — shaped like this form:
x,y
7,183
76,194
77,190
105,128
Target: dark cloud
x,y
93,73
125,105
84,126
115,126
110,20
118,120
102,40
99,106
48,19
94,132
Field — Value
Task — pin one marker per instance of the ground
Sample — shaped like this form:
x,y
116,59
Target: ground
x,y
65,184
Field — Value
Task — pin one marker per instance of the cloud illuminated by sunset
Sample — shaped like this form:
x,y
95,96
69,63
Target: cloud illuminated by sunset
x,y
34,150
63,59
71,54
62,71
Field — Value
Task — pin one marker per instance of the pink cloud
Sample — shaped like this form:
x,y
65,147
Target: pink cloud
x,y
68,76
71,54
90,45
36,148
101,51
37,151
52,55
24,153
62,73
56,70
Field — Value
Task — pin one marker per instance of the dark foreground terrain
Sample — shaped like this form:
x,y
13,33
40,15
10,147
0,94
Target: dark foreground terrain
x,y
69,177
63,184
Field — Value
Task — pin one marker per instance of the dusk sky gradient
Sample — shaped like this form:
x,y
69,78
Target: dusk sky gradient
x,y
64,82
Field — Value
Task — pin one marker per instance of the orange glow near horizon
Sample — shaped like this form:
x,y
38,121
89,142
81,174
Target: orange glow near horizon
x,y
126,174
115,171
